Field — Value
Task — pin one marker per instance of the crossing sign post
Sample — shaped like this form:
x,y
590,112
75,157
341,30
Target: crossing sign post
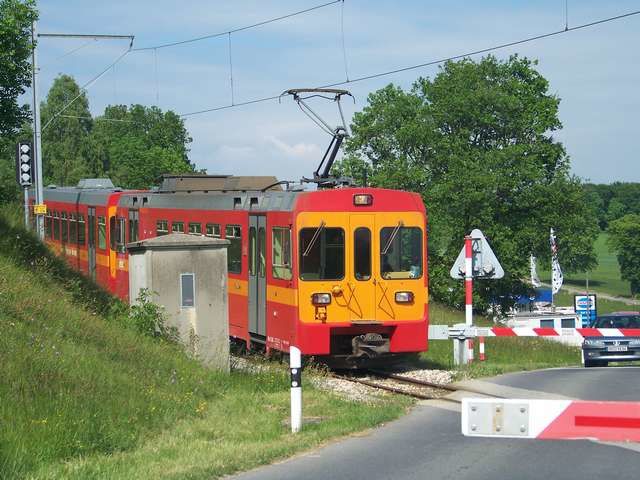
x,y
476,260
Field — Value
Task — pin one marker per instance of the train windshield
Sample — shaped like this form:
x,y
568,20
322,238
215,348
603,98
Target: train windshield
x,y
401,256
321,253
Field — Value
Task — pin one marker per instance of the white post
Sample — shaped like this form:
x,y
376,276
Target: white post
x,y
295,363
26,208
468,281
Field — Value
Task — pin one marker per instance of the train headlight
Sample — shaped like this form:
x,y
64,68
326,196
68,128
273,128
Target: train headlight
x,y
319,299
362,199
404,297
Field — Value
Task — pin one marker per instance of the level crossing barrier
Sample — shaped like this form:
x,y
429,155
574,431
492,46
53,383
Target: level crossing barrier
x,y
463,336
551,419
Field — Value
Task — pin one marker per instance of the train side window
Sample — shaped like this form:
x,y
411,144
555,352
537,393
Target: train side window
x,y
81,229
177,227
195,228
262,241
213,230
362,253
56,226
64,228
133,225
162,228
252,251
73,229
233,233
120,235
102,233
48,220
281,253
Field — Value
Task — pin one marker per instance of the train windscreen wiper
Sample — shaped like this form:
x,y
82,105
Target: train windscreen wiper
x,y
314,239
392,237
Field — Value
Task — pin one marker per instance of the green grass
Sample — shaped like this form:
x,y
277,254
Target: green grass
x,y
604,278
503,355
82,396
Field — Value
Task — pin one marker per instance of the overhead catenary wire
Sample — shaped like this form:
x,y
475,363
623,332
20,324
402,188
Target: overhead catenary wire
x,y
239,29
432,62
85,87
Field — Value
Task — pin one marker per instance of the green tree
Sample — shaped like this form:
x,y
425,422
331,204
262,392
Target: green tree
x,y
15,77
16,18
624,238
65,140
476,141
135,145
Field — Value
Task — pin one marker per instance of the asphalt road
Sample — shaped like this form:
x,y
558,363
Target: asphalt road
x,y
427,443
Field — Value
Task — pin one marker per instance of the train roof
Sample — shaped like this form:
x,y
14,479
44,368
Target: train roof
x,y
224,192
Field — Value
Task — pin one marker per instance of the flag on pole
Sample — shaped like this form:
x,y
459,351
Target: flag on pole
x,y
535,280
556,271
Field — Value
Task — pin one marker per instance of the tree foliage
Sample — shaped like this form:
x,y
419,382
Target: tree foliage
x,y
16,17
135,145
65,138
476,141
613,201
132,145
624,238
15,77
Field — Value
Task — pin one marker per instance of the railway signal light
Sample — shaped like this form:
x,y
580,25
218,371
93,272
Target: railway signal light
x,y
24,163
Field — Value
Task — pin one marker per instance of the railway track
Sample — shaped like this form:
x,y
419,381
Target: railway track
x,y
403,385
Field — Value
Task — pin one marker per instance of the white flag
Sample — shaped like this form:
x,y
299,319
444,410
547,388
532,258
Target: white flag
x,y
535,280
556,271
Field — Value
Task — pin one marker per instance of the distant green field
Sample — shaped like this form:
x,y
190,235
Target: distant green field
x,y
604,278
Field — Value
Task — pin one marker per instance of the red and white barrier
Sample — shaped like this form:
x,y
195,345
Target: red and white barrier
x,y
551,419
557,332
481,347
470,350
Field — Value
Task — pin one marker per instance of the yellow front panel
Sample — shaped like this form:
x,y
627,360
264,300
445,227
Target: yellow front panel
x,y
386,306
337,311
361,301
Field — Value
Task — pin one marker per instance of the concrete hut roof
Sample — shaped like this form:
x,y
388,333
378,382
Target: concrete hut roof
x,y
178,241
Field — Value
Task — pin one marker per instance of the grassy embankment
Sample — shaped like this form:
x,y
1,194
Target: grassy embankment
x,y
85,396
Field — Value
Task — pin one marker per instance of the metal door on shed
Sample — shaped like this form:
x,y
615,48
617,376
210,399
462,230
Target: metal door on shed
x,y
91,244
257,274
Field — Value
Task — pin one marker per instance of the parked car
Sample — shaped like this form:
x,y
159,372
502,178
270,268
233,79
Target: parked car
x,y
600,350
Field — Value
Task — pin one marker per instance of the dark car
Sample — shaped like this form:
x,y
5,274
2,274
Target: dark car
x,y
599,351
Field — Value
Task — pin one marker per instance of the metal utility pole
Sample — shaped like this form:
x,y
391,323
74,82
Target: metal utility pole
x,y
39,209
37,133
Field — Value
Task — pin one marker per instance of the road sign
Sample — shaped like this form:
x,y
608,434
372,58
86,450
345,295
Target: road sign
x,y
586,307
40,209
484,262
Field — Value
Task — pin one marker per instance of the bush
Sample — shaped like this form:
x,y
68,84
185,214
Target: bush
x,y
150,319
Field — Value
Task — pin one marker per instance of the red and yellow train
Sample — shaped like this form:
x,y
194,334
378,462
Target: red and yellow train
x,y
340,273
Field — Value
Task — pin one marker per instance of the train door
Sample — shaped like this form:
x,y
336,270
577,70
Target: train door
x,y
361,285
257,274
91,243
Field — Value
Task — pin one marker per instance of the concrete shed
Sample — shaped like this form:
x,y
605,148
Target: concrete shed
x,y
187,275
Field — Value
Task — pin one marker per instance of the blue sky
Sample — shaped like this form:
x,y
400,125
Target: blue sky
x,y
596,71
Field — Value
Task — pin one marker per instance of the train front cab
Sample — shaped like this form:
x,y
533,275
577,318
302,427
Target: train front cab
x,y
362,284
